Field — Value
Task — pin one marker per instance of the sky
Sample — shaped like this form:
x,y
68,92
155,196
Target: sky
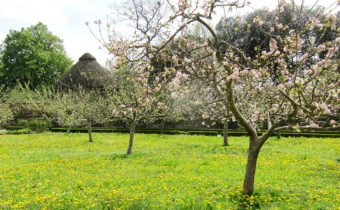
x,y
66,19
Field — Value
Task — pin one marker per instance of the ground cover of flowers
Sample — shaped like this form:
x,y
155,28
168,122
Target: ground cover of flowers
x,y
59,171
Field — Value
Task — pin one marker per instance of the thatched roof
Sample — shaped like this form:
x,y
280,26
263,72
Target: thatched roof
x,y
86,73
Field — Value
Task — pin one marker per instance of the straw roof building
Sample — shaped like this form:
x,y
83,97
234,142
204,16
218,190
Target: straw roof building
x,y
86,73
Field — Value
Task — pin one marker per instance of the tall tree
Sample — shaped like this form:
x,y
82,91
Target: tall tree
x,y
34,56
298,96
135,98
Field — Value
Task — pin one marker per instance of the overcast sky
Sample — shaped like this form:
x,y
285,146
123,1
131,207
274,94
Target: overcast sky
x,y
66,19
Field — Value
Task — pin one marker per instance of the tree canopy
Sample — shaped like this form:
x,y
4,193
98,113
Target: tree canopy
x,y
32,56
304,90
253,39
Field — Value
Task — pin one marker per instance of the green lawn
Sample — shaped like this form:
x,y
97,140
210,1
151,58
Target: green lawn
x,y
59,171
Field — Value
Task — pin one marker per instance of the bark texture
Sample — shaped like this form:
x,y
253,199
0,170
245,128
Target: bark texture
x,y
90,132
278,135
162,127
225,133
249,179
68,130
132,133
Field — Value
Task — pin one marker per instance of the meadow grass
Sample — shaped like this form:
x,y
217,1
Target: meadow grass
x,y
59,171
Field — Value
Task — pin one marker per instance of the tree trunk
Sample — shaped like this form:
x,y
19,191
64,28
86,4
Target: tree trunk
x,y
68,130
225,133
269,122
278,135
90,133
162,127
132,133
249,179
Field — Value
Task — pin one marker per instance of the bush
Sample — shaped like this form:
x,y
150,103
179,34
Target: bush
x,y
36,125
20,131
10,128
207,133
23,123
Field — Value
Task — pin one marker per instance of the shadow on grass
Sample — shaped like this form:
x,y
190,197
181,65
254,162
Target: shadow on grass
x,y
257,200
246,202
233,150
119,156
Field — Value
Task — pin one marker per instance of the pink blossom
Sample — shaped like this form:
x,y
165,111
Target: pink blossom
x,y
309,72
285,48
187,60
174,95
179,74
256,115
299,80
323,106
330,17
231,77
257,20
337,40
244,72
258,88
185,76
273,44
314,125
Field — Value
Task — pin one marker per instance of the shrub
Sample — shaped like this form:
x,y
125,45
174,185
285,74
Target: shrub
x,y
10,128
23,123
36,125
20,131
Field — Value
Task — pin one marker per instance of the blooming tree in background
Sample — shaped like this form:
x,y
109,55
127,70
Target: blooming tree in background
x,y
73,107
218,112
301,95
134,99
200,103
6,113
174,100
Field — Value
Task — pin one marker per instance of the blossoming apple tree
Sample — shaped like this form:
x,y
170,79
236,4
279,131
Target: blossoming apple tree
x,y
133,100
6,113
72,108
301,95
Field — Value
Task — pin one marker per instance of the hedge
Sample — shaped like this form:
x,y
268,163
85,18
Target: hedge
x,y
209,132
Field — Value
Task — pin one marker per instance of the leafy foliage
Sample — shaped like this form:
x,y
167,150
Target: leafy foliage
x,y
72,108
32,56
36,124
20,131
5,113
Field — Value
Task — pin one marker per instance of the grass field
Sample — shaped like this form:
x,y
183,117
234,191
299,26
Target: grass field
x,y
59,171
